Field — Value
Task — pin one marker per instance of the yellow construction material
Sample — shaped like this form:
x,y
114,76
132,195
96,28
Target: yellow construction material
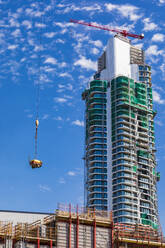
x,y
144,242
35,163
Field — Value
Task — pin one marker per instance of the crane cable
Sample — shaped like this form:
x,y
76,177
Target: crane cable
x,y
38,92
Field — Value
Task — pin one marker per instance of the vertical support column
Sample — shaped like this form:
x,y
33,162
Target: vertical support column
x,y
112,236
77,230
94,231
112,230
70,225
51,244
38,238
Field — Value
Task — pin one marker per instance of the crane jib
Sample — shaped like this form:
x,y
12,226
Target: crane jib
x,y
122,32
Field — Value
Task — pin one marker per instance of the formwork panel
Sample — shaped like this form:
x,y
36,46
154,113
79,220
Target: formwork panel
x,y
62,234
73,235
85,236
103,237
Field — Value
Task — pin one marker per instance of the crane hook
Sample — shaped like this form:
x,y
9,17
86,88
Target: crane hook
x,y
37,123
35,163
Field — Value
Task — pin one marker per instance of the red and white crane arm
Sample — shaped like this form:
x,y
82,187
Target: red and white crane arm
x,y
125,33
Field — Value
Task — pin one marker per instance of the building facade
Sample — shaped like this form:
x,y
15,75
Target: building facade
x,y
120,164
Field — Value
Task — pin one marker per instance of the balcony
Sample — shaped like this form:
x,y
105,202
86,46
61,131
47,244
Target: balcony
x,y
94,141
129,207
91,186
92,174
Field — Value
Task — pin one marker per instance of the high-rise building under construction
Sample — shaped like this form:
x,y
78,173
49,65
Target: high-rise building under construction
x,y
120,164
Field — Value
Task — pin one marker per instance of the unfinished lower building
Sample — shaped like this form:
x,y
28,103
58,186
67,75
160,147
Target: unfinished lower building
x,y
68,228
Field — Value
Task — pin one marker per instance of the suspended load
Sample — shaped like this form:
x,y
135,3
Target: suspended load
x,y
35,163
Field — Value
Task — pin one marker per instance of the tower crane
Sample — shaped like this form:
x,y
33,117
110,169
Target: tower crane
x,y
124,33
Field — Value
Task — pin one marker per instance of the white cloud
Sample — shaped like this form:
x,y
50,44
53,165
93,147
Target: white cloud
x,y
110,6
153,50
60,99
158,37
126,10
161,1
13,22
93,7
16,33
45,117
69,87
27,24
65,74
72,7
44,188
71,173
50,35
62,180
59,118
140,45
40,25
38,48
162,68
63,87
19,10
63,24
22,60
157,97
49,7
44,78
31,12
159,123
148,25
158,88
95,51
63,64
86,63
80,200
68,97
60,41
48,69
78,123
50,60
12,47
29,115
96,43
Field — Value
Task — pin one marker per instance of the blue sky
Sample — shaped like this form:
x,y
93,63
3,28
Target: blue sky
x,y
37,34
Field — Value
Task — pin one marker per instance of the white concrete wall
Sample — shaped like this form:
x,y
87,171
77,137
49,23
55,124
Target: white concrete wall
x,y
117,59
122,58
135,72
23,217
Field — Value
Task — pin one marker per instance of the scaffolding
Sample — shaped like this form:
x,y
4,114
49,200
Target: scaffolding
x,y
74,227
42,232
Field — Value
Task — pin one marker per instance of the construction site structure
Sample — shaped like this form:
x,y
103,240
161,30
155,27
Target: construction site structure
x,y
72,227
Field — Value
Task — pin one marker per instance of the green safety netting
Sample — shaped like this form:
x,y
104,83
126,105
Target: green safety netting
x,y
142,153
